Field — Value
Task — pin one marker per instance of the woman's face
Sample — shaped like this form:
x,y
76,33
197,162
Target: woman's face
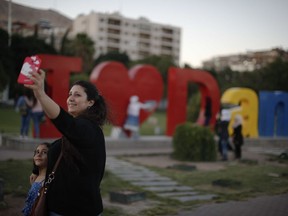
x,y
40,156
77,100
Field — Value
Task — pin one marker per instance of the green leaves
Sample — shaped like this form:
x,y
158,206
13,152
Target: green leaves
x,y
194,143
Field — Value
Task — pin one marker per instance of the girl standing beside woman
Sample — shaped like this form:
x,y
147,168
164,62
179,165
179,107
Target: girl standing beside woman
x,y
40,161
75,189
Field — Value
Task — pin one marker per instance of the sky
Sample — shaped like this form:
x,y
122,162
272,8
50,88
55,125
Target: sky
x,y
209,28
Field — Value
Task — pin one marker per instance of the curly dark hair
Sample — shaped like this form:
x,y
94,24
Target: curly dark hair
x,y
99,111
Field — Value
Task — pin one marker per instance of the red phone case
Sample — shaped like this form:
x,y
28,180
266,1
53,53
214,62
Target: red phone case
x,y
30,64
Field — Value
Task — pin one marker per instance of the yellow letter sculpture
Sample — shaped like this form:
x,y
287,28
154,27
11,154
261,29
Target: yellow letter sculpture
x,y
247,99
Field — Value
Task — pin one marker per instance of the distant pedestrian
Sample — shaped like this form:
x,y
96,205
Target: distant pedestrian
x,y
237,136
23,106
37,114
208,111
132,122
223,133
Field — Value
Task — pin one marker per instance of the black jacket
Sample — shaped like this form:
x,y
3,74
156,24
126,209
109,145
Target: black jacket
x,y
237,135
76,189
222,130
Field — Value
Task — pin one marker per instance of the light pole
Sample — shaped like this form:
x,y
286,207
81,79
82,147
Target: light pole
x,y
9,23
4,96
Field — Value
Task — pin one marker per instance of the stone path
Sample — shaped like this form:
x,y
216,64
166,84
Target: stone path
x,y
151,181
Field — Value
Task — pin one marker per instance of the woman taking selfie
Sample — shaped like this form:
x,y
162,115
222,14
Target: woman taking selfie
x,y
75,190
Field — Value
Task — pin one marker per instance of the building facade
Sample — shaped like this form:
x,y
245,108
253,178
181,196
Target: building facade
x,y
138,38
250,61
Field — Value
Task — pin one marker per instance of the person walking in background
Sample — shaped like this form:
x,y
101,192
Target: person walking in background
x,y
132,122
223,133
23,106
37,116
208,111
237,136
40,161
75,189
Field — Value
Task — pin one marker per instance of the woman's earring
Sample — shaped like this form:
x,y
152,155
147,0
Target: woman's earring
x,y
88,107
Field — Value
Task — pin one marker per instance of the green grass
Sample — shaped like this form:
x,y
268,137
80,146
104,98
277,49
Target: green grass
x,y
15,174
256,180
10,123
157,119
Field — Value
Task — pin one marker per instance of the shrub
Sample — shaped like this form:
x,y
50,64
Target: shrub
x,y
193,143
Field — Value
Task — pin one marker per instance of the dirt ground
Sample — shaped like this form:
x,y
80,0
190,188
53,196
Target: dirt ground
x,y
164,161
15,205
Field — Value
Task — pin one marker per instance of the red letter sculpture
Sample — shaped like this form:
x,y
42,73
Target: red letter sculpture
x,y
58,73
117,84
177,95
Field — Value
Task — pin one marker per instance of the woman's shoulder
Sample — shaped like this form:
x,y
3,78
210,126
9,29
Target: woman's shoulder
x,y
89,124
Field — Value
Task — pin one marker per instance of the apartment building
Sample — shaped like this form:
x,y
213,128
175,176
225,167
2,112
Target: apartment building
x,y
139,38
249,61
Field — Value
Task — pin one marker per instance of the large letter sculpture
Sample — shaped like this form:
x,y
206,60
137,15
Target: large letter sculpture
x,y
248,101
58,73
177,95
117,84
273,113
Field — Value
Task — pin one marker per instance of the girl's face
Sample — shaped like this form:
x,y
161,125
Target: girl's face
x,y
77,100
40,156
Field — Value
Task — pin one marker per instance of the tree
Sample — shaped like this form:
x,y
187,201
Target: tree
x,y
273,77
113,56
6,64
22,47
64,42
80,46
162,63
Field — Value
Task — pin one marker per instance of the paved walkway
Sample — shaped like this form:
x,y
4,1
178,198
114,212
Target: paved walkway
x,y
165,187
151,181
261,206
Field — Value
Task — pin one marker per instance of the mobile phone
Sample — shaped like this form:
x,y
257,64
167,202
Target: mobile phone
x,y
30,64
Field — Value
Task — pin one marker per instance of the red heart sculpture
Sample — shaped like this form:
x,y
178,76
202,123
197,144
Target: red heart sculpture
x,y
117,85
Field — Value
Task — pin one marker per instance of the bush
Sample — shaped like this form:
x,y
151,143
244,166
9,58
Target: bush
x,y
193,143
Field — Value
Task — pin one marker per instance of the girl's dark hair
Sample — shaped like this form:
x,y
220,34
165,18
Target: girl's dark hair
x,y
35,168
99,111
44,143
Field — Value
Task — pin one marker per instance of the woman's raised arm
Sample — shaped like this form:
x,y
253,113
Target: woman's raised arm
x,y
49,106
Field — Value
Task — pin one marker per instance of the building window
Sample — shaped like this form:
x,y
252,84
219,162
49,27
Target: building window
x,y
114,22
167,31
